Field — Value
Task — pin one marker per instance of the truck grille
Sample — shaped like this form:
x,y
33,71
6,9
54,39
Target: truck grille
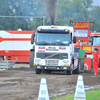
x,y
52,55
51,62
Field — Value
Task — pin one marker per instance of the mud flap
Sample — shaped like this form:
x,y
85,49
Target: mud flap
x,y
78,65
75,70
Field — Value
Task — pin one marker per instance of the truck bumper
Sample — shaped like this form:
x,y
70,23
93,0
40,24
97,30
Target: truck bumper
x,y
58,68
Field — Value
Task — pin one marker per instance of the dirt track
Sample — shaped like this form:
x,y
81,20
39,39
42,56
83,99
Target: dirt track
x,y
21,83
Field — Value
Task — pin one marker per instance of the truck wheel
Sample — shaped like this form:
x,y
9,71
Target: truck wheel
x,y
69,72
79,67
31,59
1,58
38,71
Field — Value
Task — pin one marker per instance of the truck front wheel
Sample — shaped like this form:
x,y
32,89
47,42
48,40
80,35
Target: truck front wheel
x,y
78,69
1,58
31,59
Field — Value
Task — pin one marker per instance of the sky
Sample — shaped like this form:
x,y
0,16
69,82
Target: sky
x,y
96,2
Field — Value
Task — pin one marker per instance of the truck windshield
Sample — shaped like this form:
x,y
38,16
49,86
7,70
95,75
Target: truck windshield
x,y
81,33
52,39
96,41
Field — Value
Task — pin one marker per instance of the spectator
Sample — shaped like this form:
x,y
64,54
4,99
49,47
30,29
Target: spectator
x,y
95,61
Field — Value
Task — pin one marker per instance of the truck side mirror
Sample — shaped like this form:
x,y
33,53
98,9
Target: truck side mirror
x,y
74,39
32,38
91,40
70,37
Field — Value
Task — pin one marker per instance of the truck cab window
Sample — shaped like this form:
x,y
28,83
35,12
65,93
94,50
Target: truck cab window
x,y
96,41
81,33
53,38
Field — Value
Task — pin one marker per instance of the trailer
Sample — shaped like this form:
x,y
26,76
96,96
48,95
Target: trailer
x,y
82,33
15,44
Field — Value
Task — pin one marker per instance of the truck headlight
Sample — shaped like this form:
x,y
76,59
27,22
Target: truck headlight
x,y
37,60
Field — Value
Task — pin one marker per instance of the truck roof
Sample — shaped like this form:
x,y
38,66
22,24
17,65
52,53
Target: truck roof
x,y
70,28
95,34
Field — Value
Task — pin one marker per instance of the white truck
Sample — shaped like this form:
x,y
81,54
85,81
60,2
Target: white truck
x,y
53,49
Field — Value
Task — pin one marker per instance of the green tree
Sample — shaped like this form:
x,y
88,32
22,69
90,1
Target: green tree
x,y
78,10
95,15
18,8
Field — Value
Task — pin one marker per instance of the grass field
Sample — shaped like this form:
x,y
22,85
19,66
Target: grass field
x,y
90,95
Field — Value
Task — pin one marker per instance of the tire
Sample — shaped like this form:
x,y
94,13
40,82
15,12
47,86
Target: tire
x,y
77,70
69,72
31,59
1,58
38,71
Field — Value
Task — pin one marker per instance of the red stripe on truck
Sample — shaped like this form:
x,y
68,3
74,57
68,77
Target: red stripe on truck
x,y
14,39
20,32
22,55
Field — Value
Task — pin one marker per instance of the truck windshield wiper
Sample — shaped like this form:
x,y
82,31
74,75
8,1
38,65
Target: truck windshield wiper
x,y
58,43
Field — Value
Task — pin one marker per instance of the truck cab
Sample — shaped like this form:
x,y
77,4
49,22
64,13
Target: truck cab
x,y
95,41
82,33
54,49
